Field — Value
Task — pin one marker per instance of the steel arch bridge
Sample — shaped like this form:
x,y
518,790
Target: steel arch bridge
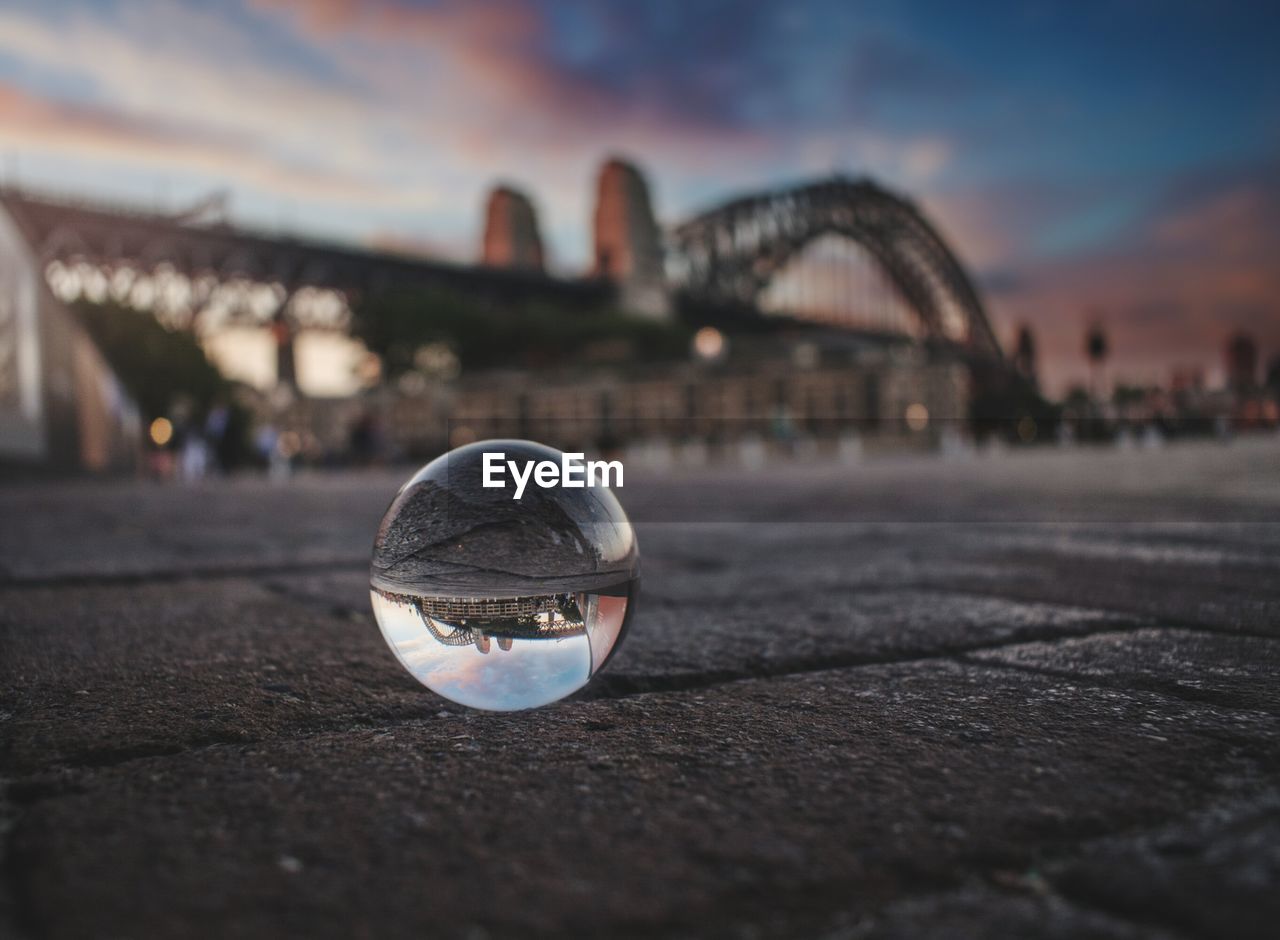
x,y
731,253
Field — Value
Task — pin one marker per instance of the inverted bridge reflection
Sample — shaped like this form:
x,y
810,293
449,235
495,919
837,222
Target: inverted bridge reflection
x,y
454,621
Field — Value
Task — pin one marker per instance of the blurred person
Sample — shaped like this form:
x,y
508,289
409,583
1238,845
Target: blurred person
x,y
365,442
217,428
264,443
194,462
283,455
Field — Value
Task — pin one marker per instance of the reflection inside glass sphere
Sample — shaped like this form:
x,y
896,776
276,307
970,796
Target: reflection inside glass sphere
x,y
498,603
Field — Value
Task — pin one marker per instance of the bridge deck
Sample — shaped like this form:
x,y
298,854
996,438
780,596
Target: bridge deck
x,y
114,235
1027,695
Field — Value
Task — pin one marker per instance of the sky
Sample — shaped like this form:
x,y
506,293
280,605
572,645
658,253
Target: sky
x,y
529,674
1114,161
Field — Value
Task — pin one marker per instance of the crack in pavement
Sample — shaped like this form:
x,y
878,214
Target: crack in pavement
x,y
1139,684
605,688
1205,823
1164,621
1125,618
248,571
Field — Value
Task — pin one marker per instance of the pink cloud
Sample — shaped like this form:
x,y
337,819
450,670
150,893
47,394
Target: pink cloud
x,y
1200,267
38,123
492,58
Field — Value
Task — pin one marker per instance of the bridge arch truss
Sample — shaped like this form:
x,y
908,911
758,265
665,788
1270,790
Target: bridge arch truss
x,y
732,253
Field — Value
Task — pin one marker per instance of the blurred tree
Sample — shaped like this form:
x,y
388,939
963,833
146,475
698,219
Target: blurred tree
x,y
160,367
398,324
1125,395
1077,398
1007,405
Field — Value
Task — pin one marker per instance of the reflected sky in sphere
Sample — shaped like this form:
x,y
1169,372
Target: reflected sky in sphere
x,y
529,674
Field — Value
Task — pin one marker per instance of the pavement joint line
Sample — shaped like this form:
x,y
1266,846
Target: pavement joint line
x,y
1127,619
11,579
1268,594
801,666
638,686
161,575
1191,696
346,609
621,686
1155,619
1259,803
959,653
1081,902
986,881
1048,869
1119,624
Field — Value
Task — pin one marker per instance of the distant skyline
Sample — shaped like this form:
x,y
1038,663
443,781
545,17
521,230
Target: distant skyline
x,y
1118,161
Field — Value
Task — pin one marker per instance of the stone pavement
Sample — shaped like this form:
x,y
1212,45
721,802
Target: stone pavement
x,y
1023,695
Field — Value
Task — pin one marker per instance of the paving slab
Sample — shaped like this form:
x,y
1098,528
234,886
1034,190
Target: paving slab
x,y
1012,905
799,799
97,531
102,529
100,671
1237,671
984,696
691,624
1229,851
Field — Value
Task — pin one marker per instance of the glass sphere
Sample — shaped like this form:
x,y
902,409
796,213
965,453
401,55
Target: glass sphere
x,y
496,602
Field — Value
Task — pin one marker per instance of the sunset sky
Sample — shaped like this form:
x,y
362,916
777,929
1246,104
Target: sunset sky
x,y
1115,160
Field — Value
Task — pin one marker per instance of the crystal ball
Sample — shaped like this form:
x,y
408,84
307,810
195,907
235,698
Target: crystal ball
x,y
498,602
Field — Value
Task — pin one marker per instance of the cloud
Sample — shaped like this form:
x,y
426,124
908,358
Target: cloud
x,y
1017,221
389,107
48,125
181,88
717,94
1196,267
924,158
512,51
394,118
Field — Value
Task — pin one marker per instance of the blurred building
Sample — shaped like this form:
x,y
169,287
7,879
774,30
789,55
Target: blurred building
x,y
816,390
1253,405
751,372
628,247
511,236
885,400
1187,380
61,406
1242,363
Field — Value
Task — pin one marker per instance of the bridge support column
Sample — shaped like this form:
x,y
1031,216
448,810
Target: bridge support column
x,y
282,332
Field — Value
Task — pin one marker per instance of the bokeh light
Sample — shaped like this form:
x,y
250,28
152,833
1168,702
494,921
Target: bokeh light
x,y
161,431
917,416
709,343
